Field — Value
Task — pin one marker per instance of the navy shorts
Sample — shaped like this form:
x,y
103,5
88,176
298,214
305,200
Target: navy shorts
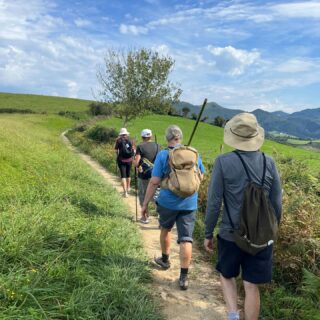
x,y
255,269
184,219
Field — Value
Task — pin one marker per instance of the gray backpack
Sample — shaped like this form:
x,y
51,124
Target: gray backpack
x,y
258,223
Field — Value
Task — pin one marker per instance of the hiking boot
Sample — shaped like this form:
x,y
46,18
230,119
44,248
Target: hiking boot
x,y
125,195
183,282
161,263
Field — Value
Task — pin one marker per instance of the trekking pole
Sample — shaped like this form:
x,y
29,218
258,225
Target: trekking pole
x,y
136,191
136,187
197,122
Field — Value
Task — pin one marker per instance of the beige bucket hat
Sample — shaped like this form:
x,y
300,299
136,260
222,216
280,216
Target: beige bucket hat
x,y
243,132
123,131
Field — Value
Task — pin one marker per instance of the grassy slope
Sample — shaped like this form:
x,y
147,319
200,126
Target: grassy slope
x,y
39,103
208,138
68,249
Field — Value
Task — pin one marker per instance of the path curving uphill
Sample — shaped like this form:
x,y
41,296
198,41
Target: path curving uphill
x,y
203,300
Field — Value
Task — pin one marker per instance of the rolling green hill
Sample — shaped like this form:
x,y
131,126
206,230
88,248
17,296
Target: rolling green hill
x,y
37,103
208,138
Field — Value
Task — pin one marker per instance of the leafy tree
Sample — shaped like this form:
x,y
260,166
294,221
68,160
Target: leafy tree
x,y
218,121
136,82
194,116
185,111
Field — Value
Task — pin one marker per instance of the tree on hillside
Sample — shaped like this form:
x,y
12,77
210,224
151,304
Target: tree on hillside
x,y
185,111
136,83
218,121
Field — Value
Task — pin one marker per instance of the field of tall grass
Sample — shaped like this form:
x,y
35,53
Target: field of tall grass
x,y
68,248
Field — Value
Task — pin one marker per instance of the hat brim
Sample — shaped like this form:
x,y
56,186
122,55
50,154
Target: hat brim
x,y
241,143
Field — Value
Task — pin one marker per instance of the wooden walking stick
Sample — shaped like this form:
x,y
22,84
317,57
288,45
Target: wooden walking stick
x,y
197,122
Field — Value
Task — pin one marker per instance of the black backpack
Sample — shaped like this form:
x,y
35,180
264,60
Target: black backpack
x,y
258,223
126,149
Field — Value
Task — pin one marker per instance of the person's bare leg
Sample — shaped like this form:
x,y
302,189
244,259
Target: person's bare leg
x,y
252,301
185,254
128,183
165,240
229,288
124,184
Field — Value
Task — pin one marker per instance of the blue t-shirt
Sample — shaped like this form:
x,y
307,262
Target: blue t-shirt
x,y
166,197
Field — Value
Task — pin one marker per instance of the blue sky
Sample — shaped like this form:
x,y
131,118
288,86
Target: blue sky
x,y
240,54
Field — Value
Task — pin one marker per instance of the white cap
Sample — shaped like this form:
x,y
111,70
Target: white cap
x,y
146,133
123,131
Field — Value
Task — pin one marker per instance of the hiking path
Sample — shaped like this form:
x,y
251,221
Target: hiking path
x,y
203,299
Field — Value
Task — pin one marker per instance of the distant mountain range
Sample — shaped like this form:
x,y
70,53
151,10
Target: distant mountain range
x,y
303,124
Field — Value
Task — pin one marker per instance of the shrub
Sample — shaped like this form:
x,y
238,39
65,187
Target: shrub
x,y
13,110
102,134
100,109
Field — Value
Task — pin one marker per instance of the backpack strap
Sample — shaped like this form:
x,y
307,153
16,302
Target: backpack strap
x,y
246,168
244,164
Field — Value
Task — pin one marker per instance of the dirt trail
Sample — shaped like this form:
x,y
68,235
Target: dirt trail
x,y
203,299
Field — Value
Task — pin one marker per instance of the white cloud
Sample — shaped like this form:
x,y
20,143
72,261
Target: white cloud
x,y
305,9
233,61
73,88
295,65
82,22
132,29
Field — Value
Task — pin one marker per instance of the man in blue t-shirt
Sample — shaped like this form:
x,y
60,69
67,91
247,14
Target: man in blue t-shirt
x,y
173,209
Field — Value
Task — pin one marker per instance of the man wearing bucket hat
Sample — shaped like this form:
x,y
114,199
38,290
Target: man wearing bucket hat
x,y
124,151
228,182
145,155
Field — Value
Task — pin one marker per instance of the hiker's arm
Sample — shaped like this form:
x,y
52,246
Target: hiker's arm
x,y
136,160
215,195
276,193
152,187
201,167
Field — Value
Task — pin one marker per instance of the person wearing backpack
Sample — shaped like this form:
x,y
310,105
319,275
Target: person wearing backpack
x,y
179,170
248,184
145,156
124,152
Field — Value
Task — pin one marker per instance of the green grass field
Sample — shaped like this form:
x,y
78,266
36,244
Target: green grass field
x,y
38,103
68,248
208,138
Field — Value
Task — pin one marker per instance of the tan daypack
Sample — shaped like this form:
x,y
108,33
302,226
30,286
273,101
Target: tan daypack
x,y
184,177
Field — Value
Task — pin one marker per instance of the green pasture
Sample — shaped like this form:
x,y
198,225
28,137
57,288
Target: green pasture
x,y
298,142
38,103
208,138
68,248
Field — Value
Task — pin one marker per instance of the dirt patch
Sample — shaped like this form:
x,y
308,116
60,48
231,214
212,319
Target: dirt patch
x,y
203,300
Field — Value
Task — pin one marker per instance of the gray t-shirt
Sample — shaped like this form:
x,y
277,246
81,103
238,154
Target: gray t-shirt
x,y
148,150
229,180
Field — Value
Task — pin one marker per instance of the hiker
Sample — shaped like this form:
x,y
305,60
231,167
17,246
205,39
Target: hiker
x,y
124,152
171,207
145,156
230,178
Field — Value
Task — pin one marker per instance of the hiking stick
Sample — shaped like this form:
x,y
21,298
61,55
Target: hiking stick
x,y
136,186
136,191
197,122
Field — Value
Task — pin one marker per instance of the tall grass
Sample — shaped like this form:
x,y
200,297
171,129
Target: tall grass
x,y
68,249
298,247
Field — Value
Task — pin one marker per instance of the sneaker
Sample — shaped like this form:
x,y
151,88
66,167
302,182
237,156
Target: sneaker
x,y
144,221
183,283
125,195
161,263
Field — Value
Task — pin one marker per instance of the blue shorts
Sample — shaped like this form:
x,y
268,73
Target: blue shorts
x,y
184,219
255,269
